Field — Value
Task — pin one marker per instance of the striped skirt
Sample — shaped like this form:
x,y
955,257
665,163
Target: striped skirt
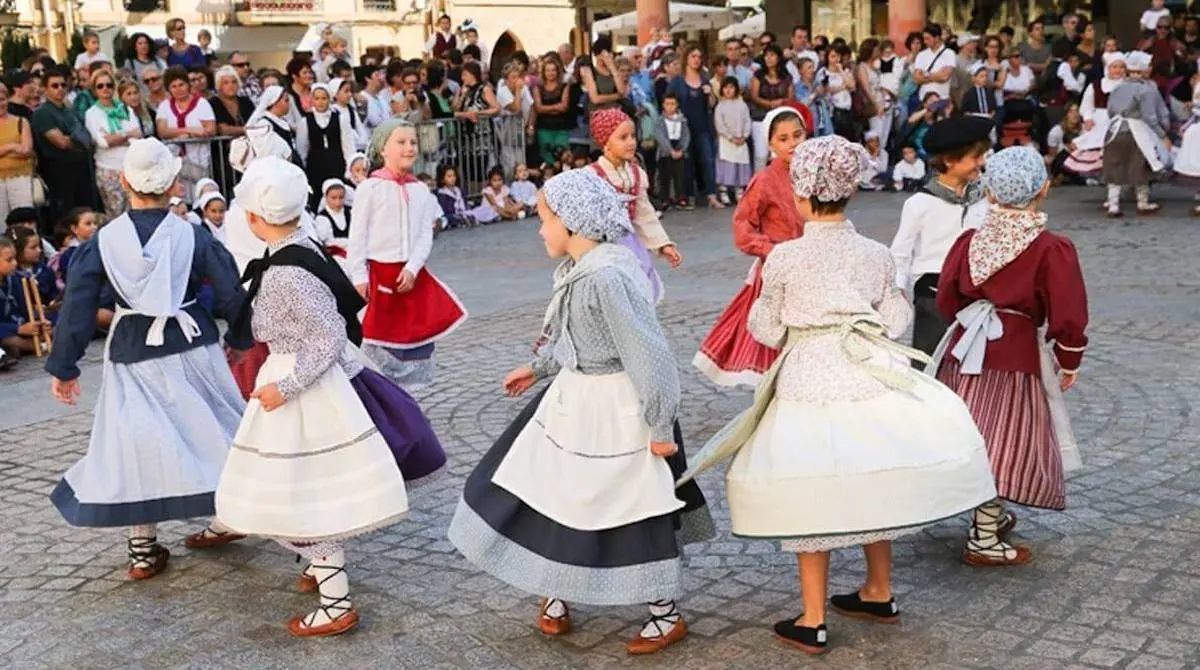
x,y
1012,413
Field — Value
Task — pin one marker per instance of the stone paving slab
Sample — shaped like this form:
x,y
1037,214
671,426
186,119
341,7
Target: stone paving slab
x,y
1115,583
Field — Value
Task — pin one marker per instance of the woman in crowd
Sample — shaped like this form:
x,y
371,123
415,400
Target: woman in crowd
x,y
764,217
839,83
997,67
696,101
476,104
1011,288
180,53
16,159
156,88
112,126
232,111
186,116
299,88
130,93
551,102
811,93
391,237
872,103
770,88
142,58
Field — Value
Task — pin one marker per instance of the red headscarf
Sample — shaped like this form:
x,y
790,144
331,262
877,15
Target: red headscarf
x,y
806,116
604,123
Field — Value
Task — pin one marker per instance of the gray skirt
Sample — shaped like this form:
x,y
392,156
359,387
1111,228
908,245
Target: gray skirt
x,y
1124,164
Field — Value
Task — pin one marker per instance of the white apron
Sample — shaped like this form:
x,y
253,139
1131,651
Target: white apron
x,y
733,153
981,323
584,459
1150,146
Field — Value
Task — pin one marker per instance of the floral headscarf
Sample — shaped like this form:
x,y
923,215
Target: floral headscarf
x,y
827,168
588,205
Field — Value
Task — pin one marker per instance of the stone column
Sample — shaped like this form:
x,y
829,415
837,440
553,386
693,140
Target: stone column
x,y
652,16
905,16
783,15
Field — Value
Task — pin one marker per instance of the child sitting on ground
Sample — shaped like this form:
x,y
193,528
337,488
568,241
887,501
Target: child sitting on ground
x,y
31,263
498,203
523,191
77,227
875,176
16,332
454,205
26,217
909,174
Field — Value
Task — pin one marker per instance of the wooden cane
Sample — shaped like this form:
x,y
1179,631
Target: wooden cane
x,y
47,340
37,341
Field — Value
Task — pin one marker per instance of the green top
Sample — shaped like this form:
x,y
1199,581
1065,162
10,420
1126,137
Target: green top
x,y
50,116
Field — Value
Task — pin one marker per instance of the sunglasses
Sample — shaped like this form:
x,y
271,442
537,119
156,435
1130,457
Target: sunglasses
x,y
56,86
150,80
102,86
240,64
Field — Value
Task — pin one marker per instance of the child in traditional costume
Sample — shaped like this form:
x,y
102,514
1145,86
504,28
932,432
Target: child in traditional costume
x,y
310,464
1138,125
1008,288
168,406
614,132
845,444
764,217
333,219
936,215
576,500
391,237
1087,156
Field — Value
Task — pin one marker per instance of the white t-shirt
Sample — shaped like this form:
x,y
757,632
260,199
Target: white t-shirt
x,y
197,153
1150,18
931,62
84,61
505,97
841,99
1020,81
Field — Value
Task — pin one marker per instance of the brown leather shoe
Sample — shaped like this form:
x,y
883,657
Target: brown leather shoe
x,y
550,625
340,625
158,564
203,540
1024,556
651,645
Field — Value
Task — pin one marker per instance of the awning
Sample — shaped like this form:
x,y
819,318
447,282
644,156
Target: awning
x,y
684,17
249,39
755,25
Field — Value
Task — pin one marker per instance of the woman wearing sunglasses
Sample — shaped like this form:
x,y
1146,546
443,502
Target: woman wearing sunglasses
x,y
112,125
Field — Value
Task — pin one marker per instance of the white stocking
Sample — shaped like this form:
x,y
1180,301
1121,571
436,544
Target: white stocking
x,y
1143,196
334,587
984,539
663,619
1114,198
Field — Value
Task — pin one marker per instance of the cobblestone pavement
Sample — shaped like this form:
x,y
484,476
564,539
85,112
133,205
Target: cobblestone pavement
x,y
1115,583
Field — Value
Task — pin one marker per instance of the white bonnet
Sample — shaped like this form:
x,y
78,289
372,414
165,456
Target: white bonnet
x,y
150,167
268,189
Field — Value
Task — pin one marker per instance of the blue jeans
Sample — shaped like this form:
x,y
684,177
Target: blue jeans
x,y
701,165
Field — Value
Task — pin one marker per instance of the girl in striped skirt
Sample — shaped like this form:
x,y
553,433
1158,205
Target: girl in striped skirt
x,y
1010,288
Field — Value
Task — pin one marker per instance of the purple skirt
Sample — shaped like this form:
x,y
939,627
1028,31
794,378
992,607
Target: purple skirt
x,y
733,174
632,243
402,424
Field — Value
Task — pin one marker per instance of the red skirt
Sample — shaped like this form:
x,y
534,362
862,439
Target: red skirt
x,y
729,355
423,315
1011,412
245,371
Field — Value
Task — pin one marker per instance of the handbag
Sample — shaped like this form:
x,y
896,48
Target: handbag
x,y
862,105
38,186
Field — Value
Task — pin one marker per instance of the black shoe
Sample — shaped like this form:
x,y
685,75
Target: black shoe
x,y
852,606
808,640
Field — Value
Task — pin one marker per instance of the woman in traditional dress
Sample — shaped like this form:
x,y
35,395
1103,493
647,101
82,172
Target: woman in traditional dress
x,y
613,131
1137,137
274,108
1087,158
576,500
1010,287
391,237
168,406
936,215
310,464
841,416
764,217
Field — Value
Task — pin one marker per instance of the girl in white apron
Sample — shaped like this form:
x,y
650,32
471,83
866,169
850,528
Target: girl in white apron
x,y
1136,143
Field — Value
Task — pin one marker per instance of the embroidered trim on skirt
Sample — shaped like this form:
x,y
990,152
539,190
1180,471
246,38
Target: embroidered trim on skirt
x,y
630,564
1012,413
315,469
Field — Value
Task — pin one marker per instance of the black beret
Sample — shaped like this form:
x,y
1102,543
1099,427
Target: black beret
x,y
956,132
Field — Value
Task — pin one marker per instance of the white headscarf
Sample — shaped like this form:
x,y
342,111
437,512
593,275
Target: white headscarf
x,y
198,192
270,96
332,182
260,140
268,189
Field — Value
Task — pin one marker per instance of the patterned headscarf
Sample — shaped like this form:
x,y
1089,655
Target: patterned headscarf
x,y
828,168
588,205
1015,176
604,123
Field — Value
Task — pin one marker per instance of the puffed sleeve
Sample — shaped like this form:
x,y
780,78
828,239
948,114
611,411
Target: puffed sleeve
x,y
646,223
77,317
1061,289
955,269
747,226
311,310
643,349
765,321
891,304
360,228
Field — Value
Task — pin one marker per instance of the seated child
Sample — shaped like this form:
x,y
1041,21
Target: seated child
x,y
497,202
909,174
522,190
27,217
31,262
16,331
454,205
875,177
77,227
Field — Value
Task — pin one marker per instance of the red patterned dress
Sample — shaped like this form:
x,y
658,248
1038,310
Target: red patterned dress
x,y
766,216
1039,297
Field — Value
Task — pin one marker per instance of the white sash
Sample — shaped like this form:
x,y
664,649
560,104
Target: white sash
x,y
151,279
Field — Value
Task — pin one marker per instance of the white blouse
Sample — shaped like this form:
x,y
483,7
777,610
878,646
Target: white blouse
x,y
96,121
379,205
928,228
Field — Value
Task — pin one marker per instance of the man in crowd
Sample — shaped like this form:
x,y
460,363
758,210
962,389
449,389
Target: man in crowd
x,y
567,54
737,68
1035,50
934,66
23,90
442,40
64,149
251,84
1070,36
799,50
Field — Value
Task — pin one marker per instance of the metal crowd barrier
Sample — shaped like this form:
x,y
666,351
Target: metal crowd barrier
x,y
472,148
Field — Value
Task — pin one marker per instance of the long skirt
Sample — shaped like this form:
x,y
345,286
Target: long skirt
x,y
632,563
1124,164
894,463
315,469
160,436
1012,412
733,174
729,355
